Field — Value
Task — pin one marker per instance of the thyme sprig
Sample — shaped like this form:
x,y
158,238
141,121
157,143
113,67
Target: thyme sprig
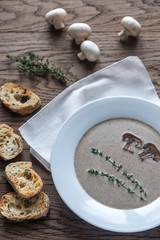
x,y
34,65
119,168
118,181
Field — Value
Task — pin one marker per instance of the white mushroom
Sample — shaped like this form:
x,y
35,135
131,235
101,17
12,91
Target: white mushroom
x,y
131,28
56,17
79,31
89,51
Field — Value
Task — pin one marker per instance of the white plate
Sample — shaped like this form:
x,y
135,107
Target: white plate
x,y
62,165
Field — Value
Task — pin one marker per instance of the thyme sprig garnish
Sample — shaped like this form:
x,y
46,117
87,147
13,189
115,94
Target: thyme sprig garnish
x,y
118,181
119,168
34,65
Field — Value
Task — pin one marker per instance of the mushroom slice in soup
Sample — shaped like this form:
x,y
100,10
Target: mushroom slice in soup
x,y
150,151
132,142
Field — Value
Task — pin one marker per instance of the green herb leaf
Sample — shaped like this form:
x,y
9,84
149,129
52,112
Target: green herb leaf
x,y
119,168
107,158
114,179
94,150
34,65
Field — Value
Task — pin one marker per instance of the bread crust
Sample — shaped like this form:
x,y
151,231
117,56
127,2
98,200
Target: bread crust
x,y
11,144
18,99
25,181
18,209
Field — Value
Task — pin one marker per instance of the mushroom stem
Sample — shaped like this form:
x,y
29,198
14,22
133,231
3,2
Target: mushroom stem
x,y
123,35
79,40
59,25
81,56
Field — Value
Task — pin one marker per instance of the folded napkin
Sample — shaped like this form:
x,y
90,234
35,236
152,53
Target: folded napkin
x,y
127,77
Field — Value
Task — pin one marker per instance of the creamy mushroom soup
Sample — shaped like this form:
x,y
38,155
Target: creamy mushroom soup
x,y
131,181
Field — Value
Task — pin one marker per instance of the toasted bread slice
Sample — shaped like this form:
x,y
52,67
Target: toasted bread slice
x,y
16,208
19,100
10,143
25,181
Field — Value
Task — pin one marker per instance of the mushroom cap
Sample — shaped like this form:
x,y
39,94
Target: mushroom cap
x,y
90,50
77,30
56,15
131,25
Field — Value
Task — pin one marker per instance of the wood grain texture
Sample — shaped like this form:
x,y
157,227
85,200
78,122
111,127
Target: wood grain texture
x,y
23,29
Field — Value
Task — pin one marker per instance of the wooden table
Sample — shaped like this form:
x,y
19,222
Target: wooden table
x,y
23,29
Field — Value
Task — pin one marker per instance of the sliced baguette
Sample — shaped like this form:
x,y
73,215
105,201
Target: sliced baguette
x,y
16,208
19,100
25,181
10,143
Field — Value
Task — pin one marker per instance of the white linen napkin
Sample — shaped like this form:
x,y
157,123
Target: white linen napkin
x,y
127,77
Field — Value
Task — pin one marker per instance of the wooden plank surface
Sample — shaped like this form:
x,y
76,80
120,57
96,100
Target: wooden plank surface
x,y
23,29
